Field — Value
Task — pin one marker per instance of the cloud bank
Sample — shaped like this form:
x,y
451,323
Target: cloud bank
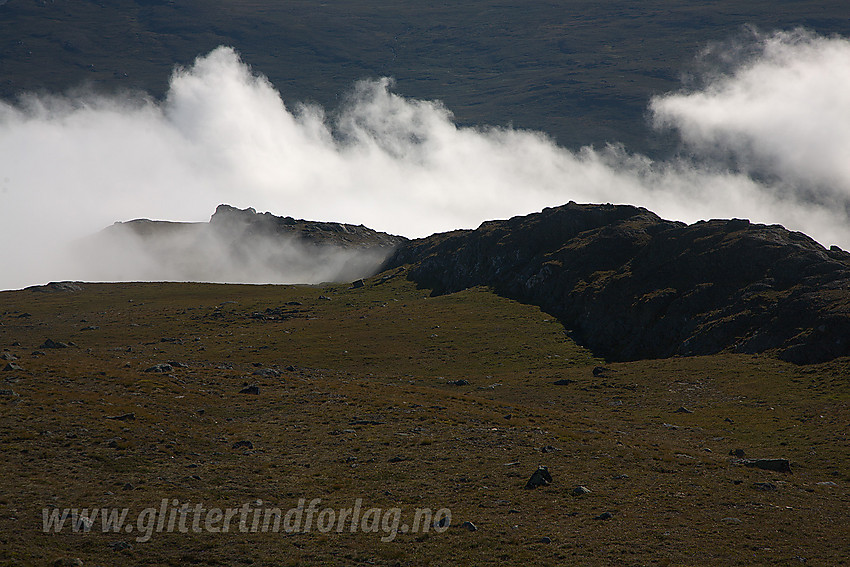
x,y
764,139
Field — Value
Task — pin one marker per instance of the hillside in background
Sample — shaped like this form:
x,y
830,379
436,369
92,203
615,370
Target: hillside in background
x,y
581,71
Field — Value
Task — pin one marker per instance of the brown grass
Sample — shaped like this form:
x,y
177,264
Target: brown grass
x,y
366,376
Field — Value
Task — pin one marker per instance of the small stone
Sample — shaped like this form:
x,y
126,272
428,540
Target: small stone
x,y
68,562
737,452
541,477
546,539
599,371
776,465
581,491
267,373
604,516
765,486
162,368
563,382
683,409
469,526
8,356
128,486
828,483
460,382
396,459
120,546
357,284
8,393
731,520
548,449
50,343
253,389
123,417
11,366
244,444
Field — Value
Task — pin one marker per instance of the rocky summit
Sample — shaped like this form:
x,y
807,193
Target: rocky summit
x,y
631,285
236,245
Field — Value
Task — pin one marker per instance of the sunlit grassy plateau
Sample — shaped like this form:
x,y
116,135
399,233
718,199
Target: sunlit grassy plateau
x,y
365,407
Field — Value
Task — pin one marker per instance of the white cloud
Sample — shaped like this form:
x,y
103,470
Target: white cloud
x,y
783,110
223,135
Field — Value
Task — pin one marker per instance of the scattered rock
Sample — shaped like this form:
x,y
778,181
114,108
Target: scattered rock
x,y
599,371
737,453
244,444
548,449
541,477
546,539
776,465
396,459
90,328
604,516
8,356
324,298
120,546
563,382
128,486
469,526
683,409
267,373
765,486
8,394
162,368
731,520
123,417
828,483
53,287
252,389
357,284
11,366
178,364
50,343
581,491
68,562
460,382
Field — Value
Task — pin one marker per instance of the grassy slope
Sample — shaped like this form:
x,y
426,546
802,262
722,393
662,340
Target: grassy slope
x,y
385,354
582,71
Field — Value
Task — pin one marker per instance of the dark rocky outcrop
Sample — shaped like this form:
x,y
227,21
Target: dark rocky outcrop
x,y
631,285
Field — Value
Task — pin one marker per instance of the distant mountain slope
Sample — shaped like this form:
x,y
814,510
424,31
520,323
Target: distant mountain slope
x,y
237,245
632,285
581,71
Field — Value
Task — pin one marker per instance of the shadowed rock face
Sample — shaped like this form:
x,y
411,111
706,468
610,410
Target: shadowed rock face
x,y
632,285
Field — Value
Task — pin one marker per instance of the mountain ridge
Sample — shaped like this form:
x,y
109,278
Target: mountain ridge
x,y
632,285
236,245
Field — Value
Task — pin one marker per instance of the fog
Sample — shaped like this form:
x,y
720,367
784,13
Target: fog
x,y
764,127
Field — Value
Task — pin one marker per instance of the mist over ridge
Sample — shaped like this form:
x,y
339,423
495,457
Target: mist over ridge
x,y
763,138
